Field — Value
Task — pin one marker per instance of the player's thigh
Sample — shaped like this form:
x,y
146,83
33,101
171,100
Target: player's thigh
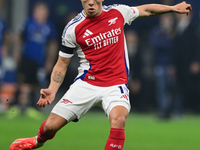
x,y
117,117
116,96
77,101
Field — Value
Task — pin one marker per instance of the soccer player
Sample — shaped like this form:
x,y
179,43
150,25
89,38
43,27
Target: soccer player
x,y
36,35
97,35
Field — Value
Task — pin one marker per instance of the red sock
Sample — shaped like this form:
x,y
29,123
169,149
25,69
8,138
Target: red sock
x,y
116,139
42,136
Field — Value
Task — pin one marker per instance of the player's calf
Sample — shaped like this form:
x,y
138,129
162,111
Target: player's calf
x,y
43,136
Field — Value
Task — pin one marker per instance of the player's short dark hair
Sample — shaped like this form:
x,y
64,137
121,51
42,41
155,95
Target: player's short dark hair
x,y
39,3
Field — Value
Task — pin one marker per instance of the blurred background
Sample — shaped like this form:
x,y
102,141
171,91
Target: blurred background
x,y
164,56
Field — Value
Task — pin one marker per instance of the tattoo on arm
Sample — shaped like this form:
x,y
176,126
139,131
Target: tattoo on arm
x,y
153,13
58,77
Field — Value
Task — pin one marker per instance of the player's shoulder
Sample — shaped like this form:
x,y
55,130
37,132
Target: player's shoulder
x,y
30,21
50,25
26,24
74,22
114,6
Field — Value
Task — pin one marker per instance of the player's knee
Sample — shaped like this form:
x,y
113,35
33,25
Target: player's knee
x,y
118,122
54,123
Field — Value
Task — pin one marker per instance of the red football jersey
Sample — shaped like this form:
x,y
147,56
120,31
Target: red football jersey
x,y
100,44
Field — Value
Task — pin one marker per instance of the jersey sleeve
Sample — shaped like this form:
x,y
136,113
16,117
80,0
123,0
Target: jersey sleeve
x,y
129,13
68,43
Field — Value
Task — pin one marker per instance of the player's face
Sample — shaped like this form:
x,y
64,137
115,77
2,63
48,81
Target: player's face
x,y
41,13
92,8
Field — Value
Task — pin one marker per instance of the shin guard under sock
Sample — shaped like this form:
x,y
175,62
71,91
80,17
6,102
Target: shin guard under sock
x,y
42,136
116,139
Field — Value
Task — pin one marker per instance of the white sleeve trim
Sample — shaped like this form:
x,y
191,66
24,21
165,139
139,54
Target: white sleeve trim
x,y
136,11
129,13
65,54
133,15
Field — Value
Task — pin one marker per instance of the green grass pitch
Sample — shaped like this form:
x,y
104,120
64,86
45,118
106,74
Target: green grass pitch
x,y
143,132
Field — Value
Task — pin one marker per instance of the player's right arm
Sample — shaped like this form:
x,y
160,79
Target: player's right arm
x,y
57,77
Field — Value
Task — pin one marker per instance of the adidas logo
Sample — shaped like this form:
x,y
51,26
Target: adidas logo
x,y
87,33
124,96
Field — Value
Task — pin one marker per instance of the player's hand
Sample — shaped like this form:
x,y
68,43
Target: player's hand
x,y
182,8
46,97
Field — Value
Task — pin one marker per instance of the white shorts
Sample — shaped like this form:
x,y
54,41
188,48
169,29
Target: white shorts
x,y
82,96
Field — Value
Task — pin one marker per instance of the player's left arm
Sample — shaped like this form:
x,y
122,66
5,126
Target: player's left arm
x,y
156,9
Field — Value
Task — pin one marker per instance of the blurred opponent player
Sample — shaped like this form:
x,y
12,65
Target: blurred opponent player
x,y
97,35
38,41
7,75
